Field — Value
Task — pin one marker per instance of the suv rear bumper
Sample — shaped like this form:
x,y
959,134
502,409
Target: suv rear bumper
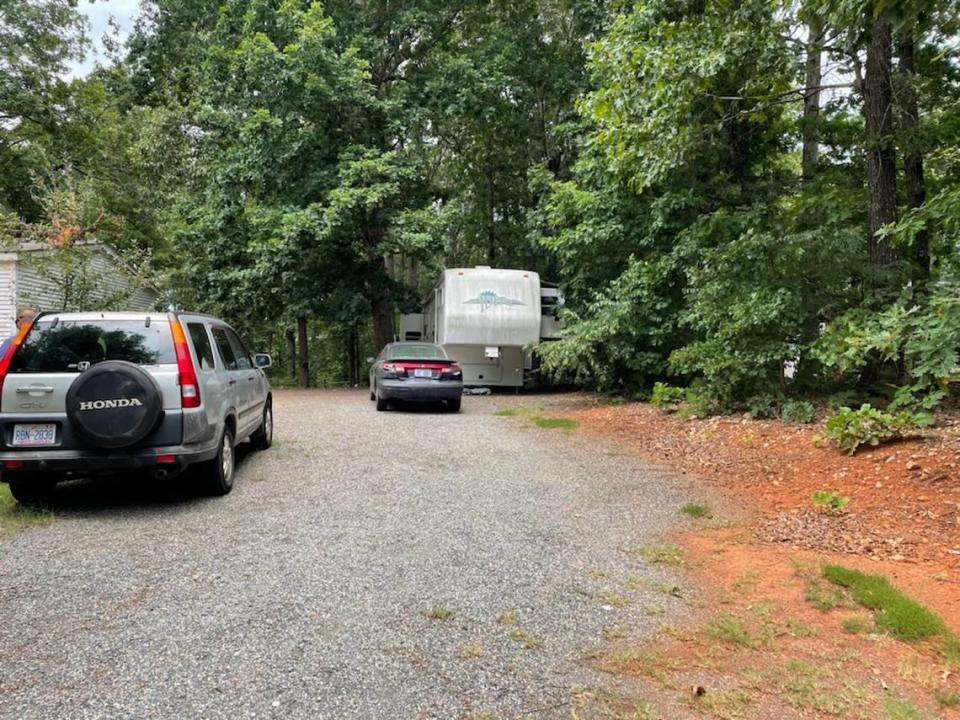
x,y
177,458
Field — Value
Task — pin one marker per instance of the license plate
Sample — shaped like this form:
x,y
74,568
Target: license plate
x,y
35,434
423,372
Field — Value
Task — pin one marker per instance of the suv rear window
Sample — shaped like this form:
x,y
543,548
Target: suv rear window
x,y
62,346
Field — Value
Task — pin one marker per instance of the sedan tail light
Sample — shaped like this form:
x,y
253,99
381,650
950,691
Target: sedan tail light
x,y
454,371
390,370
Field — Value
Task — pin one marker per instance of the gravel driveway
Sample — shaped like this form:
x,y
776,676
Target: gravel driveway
x,y
411,564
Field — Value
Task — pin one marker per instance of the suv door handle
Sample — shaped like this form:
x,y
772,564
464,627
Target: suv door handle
x,y
252,378
26,389
232,382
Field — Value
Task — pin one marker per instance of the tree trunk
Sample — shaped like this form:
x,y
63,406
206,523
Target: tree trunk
x,y
881,158
291,353
382,323
304,364
913,157
811,97
491,205
354,356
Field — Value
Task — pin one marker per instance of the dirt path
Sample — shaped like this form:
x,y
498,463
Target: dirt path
x,y
371,565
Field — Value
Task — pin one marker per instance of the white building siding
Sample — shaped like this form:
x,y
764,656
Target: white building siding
x,y
8,300
100,283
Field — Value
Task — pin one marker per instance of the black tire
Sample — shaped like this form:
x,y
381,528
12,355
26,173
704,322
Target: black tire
x,y
217,474
33,490
381,403
263,437
373,395
454,405
113,405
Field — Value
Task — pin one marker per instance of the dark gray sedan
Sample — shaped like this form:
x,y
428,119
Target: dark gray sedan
x,y
416,371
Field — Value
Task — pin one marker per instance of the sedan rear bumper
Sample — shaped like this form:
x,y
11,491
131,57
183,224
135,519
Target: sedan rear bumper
x,y
420,390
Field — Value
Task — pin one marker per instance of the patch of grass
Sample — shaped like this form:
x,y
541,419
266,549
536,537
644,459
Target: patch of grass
x,y
654,610
636,582
438,612
549,423
669,589
507,412
730,629
611,598
900,709
894,612
697,510
723,704
14,516
595,700
951,649
653,664
798,628
527,639
746,582
822,597
616,632
472,650
802,685
597,574
661,554
507,617
946,697
856,625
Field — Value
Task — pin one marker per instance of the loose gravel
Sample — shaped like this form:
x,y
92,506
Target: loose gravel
x,y
316,589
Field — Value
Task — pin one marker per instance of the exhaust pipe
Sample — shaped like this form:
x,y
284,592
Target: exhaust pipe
x,y
160,474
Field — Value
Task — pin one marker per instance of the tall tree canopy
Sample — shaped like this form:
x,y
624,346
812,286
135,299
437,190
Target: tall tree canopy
x,y
756,197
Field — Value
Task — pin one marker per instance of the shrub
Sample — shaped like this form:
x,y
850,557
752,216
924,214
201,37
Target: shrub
x,y
829,502
666,397
850,429
762,406
798,411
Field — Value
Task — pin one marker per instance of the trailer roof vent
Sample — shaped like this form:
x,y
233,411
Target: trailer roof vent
x,y
482,267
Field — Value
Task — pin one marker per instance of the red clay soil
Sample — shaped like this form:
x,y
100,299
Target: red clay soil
x,y
902,521
903,515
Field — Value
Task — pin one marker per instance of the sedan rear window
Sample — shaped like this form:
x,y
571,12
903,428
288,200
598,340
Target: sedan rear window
x,y
417,352
61,346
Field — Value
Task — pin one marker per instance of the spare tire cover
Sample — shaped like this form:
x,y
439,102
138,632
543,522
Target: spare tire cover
x,y
114,404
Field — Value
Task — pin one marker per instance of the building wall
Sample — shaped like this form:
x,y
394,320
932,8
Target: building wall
x,y
105,284
8,305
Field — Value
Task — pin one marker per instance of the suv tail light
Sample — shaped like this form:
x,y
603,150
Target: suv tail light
x,y
189,386
12,350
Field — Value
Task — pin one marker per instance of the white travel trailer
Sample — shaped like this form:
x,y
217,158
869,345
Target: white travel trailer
x,y
489,321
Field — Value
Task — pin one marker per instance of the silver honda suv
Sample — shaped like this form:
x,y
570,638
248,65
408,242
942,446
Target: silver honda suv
x,y
95,393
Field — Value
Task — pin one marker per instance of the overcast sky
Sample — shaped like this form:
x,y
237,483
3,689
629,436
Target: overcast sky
x,y
98,14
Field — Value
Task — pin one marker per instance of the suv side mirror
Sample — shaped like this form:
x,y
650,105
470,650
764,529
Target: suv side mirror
x,y
262,360
370,360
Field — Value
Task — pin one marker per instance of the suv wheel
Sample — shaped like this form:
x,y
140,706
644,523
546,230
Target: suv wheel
x,y
263,437
218,473
33,489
